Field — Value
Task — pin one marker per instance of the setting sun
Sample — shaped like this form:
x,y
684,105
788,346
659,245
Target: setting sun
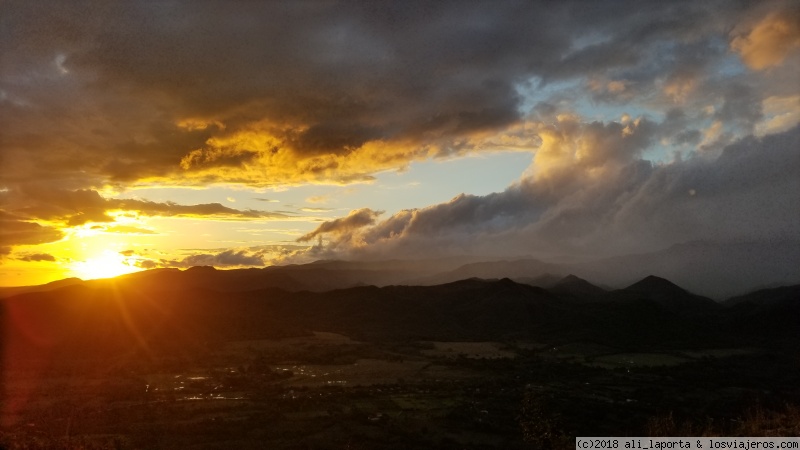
x,y
105,265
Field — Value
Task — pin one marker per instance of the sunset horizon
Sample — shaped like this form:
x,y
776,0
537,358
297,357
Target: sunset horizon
x,y
154,135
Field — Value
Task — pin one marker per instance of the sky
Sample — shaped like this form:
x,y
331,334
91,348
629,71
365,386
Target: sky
x,y
139,135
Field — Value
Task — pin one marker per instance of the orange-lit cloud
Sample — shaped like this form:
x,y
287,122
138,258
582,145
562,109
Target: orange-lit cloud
x,y
58,209
679,87
781,114
770,40
258,158
84,205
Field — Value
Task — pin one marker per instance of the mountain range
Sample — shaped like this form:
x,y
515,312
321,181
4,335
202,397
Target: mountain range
x,y
715,270
172,309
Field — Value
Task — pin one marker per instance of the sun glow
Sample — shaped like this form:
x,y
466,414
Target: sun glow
x,y
105,265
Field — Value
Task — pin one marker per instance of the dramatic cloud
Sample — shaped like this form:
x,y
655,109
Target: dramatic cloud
x,y
272,93
84,205
645,120
22,207
570,205
14,230
344,226
226,258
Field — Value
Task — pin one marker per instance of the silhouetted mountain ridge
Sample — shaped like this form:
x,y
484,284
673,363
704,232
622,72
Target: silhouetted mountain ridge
x,y
667,294
716,269
653,284
121,315
493,269
16,290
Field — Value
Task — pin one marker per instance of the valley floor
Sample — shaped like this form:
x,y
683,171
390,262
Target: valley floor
x,y
325,390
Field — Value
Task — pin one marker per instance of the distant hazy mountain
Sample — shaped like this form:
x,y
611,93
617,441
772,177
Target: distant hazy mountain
x,y
717,270
714,269
546,280
518,269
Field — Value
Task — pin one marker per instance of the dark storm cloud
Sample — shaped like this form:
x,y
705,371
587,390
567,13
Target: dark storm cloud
x,y
36,257
222,259
750,192
345,225
741,107
213,91
146,264
14,230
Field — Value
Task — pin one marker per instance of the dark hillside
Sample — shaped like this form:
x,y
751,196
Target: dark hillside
x,y
667,295
155,312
